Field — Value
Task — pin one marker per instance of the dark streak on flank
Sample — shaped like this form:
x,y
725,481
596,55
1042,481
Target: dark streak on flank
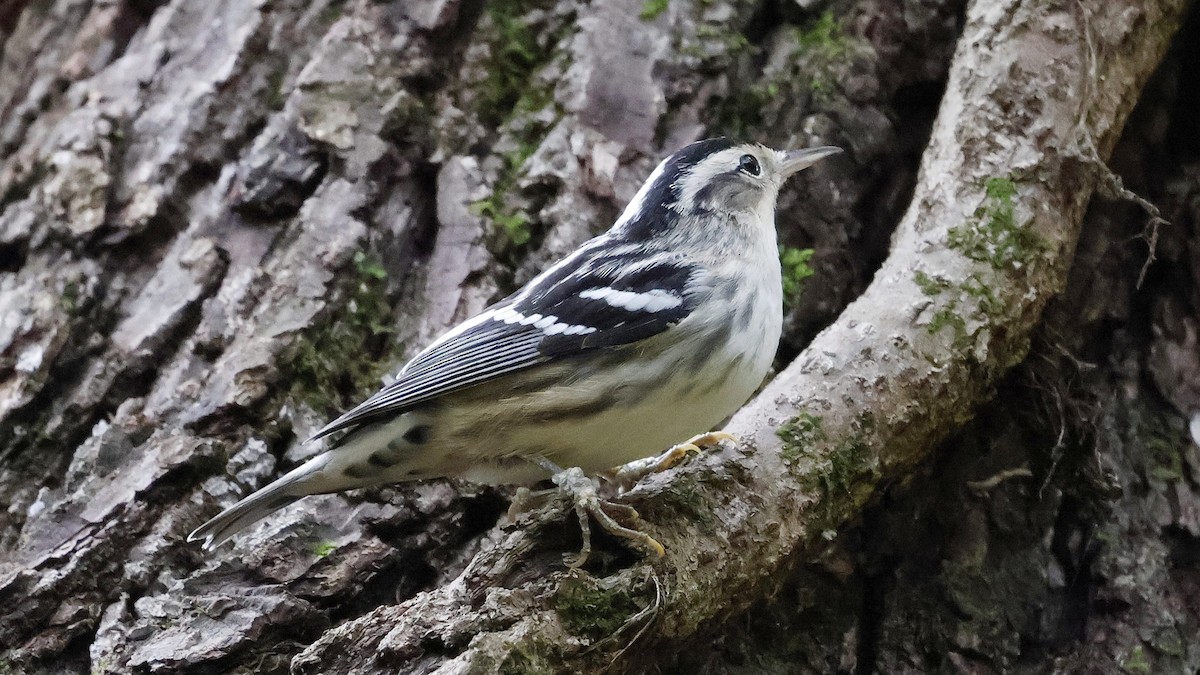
x,y
726,373
595,406
418,435
742,316
358,471
709,345
383,459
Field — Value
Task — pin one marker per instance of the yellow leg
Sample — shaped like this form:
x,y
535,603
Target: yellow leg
x,y
628,474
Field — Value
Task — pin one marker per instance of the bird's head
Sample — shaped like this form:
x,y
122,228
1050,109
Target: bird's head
x,y
716,176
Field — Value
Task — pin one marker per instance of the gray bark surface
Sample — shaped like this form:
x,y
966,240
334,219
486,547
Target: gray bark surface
x,y
221,223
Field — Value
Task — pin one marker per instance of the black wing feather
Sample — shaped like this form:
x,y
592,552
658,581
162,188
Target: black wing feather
x,y
490,348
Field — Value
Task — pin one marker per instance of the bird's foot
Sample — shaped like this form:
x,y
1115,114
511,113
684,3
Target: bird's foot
x,y
582,491
626,475
583,494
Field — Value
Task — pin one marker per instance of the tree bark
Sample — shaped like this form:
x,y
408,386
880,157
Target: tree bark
x,y
220,223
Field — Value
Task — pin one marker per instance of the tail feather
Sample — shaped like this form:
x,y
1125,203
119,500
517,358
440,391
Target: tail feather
x,y
286,489
370,455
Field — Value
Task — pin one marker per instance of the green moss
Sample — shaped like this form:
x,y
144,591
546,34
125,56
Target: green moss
x,y
949,317
824,42
732,41
821,49
592,611
651,9
801,436
515,54
683,496
276,92
332,366
993,236
368,267
323,548
70,296
796,268
512,222
981,291
929,285
740,112
824,36
1137,662
836,465
974,298
508,97
846,461
537,658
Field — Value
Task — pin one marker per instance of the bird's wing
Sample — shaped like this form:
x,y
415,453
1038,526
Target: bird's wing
x,y
602,296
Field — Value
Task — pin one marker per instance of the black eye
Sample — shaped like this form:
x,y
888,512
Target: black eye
x,y
750,165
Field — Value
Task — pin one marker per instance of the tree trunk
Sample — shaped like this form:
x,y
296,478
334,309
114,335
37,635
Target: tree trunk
x,y
222,223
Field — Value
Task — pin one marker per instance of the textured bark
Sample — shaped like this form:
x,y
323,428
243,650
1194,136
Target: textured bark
x,y
220,223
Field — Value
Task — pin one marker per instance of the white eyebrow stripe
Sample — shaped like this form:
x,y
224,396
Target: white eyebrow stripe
x,y
655,300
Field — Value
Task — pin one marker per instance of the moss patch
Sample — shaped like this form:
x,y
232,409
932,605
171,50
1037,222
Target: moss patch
x,y
796,268
993,236
821,53
651,9
683,496
824,43
521,40
511,222
835,465
588,609
532,659
516,53
801,436
1136,662
973,299
931,286
333,365
848,459
824,36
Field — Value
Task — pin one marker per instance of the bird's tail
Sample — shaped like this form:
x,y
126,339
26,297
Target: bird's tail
x,y
283,491
370,455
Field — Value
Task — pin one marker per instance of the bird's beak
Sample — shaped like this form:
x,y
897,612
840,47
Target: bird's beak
x,y
793,161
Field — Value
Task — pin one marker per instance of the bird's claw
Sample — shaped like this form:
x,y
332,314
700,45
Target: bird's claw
x,y
617,519
627,475
588,504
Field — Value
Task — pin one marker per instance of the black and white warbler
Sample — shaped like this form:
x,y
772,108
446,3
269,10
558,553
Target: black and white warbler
x,y
647,334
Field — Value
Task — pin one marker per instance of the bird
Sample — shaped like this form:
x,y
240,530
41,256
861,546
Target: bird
x,y
653,331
